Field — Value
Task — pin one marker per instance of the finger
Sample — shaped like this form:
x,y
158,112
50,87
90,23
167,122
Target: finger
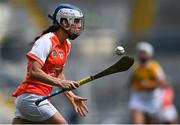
x,y
79,111
85,107
83,112
73,86
76,84
67,88
81,98
75,107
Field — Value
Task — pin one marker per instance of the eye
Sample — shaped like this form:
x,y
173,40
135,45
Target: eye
x,y
76,20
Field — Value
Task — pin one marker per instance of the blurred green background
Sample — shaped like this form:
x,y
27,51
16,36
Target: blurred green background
x,y
107,24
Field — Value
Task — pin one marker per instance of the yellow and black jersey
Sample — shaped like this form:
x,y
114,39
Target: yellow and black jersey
x,y
149,71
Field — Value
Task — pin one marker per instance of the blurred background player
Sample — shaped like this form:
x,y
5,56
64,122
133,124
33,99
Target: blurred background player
x,y
46,62
146,78
167,113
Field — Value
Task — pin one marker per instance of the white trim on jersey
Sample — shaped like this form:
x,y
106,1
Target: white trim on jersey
x,y
42,47
69,43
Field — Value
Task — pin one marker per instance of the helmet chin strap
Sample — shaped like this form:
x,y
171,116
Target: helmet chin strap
x,y
71,36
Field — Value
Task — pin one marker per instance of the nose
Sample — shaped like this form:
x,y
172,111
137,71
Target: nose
x,y
77,28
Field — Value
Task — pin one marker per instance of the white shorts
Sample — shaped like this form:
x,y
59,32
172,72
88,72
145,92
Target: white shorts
x,y
147,102
27,109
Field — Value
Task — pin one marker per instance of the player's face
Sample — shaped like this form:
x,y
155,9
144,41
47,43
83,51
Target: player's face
x,y
143,56
76,27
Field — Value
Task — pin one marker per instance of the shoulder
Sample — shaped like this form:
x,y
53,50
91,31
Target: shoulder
x,y
44,40
154,64
46,37
156,68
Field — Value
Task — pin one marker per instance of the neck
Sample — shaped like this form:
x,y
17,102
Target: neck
x,y
144,61
62,36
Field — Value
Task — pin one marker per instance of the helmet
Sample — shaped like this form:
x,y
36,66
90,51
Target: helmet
x,y
145,46
70,13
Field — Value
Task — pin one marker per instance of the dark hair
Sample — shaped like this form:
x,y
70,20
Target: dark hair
x,y
52,28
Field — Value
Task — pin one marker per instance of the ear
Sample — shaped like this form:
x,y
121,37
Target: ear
x,y
64,22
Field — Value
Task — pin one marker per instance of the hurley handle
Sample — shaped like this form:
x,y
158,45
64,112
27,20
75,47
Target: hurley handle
x,y
48,96
81,82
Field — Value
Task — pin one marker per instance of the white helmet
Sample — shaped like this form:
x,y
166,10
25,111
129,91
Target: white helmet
x,y
71,13
145,46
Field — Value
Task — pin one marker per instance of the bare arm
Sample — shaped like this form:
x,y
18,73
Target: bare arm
x,y
68,94
77,101
153,83
36,73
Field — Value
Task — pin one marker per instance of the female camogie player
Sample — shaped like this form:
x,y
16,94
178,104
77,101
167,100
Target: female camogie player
x,y
151,99
46,62
147,77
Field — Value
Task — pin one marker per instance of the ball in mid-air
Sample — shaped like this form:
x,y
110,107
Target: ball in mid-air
x,y
119,50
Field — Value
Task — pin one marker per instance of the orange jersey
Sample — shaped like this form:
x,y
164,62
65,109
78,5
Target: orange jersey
x,y
150,71
52,55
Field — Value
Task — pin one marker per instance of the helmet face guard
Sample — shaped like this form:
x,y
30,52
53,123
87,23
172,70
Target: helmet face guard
x,y
71,14
74,35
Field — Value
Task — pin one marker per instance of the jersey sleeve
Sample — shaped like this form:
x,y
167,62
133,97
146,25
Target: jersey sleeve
x,y
40,50
159,72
